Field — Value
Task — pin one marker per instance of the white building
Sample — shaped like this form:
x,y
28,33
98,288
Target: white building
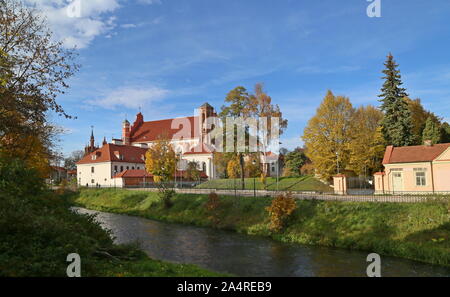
x,y
105,166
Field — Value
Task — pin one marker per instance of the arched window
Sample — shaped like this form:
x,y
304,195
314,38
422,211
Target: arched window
x,y
121,168
204,167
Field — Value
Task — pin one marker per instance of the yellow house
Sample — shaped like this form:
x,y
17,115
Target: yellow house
x,y
415,169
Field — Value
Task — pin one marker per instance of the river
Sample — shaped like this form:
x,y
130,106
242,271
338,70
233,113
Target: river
x,y
244,255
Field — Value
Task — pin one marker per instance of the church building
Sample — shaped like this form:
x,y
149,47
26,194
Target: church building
x,y
111,164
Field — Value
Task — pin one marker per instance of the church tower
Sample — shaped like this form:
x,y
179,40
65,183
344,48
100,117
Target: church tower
x,y
126,133
91,146
206,119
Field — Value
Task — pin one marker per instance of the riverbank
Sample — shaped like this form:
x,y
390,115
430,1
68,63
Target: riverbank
x,y
38,231
416,231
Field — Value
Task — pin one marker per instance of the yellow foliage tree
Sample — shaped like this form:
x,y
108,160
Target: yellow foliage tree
x,y
281,208
233,168
327,135
366,147
161,160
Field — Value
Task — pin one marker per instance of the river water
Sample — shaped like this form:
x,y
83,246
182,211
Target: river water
x,y
244,255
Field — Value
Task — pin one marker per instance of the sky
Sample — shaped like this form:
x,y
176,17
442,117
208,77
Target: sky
x,y
168,57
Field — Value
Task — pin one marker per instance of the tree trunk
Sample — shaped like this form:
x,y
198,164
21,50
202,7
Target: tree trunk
x,y
241,163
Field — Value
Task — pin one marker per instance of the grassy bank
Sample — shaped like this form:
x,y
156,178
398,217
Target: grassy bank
x,y
38,231
303,183
418,231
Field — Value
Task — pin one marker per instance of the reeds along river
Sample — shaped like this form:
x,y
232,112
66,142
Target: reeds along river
x,y
244,255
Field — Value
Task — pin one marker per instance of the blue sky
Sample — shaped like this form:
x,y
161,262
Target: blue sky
x,y
170,56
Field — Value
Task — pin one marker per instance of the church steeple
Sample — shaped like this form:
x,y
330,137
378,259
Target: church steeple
x,y
92,143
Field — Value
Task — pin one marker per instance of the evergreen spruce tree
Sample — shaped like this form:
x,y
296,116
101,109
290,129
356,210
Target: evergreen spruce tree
x,y
431,132
396,124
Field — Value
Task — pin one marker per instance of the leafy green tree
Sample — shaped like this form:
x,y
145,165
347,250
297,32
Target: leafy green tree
x,y
445,132
432,131
294,161
327,135
396,124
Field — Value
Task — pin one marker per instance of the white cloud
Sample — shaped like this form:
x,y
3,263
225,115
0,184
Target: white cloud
x,y
80,25
131,97
149,1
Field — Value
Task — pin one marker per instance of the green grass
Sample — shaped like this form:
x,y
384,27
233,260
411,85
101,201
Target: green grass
x,y
417,231
38,231
303,183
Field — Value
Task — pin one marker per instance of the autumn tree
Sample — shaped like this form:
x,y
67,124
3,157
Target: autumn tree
x,y
240,106
366,146
432,131
220,161
263,107
327,135
396,124
234,168
419,116
161,161
34,71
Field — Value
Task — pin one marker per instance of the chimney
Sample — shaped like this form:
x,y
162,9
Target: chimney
x,y
428,143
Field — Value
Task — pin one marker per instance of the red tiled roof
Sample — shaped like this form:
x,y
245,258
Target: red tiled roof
x,y
150,131
133,173
409,154
110,152
58,168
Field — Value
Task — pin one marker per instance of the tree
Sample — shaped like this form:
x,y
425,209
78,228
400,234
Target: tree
x,y
262,107
294,161
432,131
161,161
221,160
445,132
239,107
419,117
192,172
396,124
233,168
34,71
366,146
71,161
327,135
253,165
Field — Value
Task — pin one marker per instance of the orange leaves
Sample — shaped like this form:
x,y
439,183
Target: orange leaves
x,y
280,210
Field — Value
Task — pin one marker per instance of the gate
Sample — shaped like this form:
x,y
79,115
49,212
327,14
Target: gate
x,y
360,185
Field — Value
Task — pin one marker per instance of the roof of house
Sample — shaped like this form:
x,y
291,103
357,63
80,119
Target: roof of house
x,y
150,131
58,168
411,154
115,153
133,173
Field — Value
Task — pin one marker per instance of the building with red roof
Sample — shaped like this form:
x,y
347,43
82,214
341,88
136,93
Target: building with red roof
x,y
421,168
124,159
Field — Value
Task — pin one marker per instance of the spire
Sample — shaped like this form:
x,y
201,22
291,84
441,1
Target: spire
x,y
104,141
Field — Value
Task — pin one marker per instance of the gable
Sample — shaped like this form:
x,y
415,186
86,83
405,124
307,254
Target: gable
x,y
445,156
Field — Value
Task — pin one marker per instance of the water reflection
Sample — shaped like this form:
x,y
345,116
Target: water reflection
x,y
248,256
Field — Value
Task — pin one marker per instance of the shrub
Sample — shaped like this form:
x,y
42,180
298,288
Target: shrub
x,y
19,180
280,210
212,206
166,195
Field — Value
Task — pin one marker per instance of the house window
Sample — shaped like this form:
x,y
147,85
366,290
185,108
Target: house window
x,y
128,167
121,168
92,181
92,169
132,167
138,168
421,178
115,168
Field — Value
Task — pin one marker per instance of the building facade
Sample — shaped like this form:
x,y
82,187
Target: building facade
x,y
189,136
415,169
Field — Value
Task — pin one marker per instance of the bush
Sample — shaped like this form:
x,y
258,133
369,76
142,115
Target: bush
x,y
212,206
280,210
17,179
166,195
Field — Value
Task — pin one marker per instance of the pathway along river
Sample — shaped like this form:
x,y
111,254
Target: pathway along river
x,y
244,255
